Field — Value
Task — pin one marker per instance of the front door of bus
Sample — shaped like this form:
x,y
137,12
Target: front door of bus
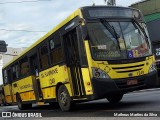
x,y
9,73
73,61
35,79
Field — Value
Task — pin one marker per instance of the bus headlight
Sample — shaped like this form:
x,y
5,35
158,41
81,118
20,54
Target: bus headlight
x,y
98,73
152,68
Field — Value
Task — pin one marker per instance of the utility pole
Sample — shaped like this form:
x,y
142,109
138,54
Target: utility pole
x,y
110,2
93,3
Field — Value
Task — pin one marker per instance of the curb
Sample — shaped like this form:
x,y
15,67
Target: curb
x,y
146,90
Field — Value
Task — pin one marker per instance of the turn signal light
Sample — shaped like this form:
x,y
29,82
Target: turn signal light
x,y
88,83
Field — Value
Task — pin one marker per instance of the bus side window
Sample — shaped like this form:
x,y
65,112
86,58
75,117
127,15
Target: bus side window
x,y
44,57
34,64
24,67
5,77
56,49
9,74
15,71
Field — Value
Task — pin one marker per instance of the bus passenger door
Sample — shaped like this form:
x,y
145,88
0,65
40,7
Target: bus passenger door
x,y
71,49
10,83
35,79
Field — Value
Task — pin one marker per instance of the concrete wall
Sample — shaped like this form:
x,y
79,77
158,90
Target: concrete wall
x,y
8,56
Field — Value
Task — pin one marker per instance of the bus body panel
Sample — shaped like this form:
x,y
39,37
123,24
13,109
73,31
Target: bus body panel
x,y
49,93
24,87
87,81
7,93
2,99
27,96
49,78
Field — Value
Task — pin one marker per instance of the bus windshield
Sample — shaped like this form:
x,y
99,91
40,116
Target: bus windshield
x,y
118,40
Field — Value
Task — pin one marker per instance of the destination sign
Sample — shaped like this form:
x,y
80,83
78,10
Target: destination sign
x,y
113,13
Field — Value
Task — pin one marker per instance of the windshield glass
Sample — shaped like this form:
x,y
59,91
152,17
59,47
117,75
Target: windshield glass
x,y
117,40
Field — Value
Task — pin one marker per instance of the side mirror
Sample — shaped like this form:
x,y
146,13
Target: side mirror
x,y
81,21
3,46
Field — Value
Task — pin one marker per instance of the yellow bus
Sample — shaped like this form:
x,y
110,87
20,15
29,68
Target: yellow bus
x,y
97,52
2,100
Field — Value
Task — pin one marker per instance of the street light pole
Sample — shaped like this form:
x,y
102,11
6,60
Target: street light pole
x,y
110,2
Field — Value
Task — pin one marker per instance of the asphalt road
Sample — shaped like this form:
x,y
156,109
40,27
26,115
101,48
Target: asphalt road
x,y
136,102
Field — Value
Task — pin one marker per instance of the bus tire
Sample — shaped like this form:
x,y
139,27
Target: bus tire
x,y
116,98
64,99
22,106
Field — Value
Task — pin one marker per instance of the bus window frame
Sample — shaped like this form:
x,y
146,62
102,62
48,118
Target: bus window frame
x,y
14,65
56,35
31,70
45,43
23,76
80,36
5,83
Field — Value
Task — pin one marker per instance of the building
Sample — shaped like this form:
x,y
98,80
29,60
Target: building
x,y
151,12
8,56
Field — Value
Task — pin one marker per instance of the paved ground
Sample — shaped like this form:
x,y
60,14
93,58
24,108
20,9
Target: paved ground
x,y
137,103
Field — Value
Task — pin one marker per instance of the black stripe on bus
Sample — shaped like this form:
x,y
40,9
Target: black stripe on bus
x,y
128,71
128,67
25,91
53,85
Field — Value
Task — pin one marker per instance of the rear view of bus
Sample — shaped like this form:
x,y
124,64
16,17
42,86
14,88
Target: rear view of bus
x,y
119,52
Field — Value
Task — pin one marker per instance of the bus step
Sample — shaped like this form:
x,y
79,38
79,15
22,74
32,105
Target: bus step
x,y
40,98
40,103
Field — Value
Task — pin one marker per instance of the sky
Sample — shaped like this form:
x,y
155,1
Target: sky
x,y
37,17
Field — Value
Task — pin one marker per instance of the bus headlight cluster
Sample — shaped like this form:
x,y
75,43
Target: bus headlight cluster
x,y
152,68
98,73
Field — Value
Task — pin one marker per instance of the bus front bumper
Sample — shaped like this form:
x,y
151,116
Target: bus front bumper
x,y
103,87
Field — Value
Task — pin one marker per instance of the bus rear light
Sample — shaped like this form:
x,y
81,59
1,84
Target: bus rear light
x,y
89,91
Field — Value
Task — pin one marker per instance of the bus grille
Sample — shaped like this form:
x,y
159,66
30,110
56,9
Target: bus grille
x,y
123,84
128,68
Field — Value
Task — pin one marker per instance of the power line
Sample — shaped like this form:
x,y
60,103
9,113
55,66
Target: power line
x,y
24,1
21,30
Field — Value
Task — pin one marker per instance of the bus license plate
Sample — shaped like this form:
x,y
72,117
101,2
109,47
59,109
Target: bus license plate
x,y
132,82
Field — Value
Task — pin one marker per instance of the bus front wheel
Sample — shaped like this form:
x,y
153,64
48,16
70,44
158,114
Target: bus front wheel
x,y
64,98
115,98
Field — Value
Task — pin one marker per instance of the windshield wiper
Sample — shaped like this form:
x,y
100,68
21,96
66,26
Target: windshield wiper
x,y
137,23
111,29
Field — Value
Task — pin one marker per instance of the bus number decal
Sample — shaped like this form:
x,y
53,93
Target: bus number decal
x,y
52,81
141,72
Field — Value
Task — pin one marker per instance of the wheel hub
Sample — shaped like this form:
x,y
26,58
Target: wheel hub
x,y
63,98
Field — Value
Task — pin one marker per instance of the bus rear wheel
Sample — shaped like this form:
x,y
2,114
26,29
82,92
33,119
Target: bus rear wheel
x,y
22,106
116,98
64,98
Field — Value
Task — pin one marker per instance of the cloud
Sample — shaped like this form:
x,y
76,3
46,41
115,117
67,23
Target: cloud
x,y
38,16
19,38
2,15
